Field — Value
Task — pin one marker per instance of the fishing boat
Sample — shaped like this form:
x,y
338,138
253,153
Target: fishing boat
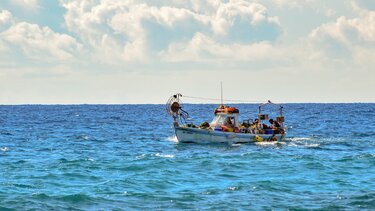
x,y
225,126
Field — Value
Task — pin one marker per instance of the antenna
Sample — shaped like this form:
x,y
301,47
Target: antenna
x,y
221,86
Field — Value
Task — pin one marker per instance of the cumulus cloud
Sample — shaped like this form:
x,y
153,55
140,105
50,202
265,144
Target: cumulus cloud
x,y
293,3
243,21
143,30
25,41
6,19
205,48
347,32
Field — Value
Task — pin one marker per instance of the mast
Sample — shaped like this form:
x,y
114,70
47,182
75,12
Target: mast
x,y
221,97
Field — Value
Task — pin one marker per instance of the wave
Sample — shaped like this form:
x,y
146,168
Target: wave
x,y
312,145
298,139
164,155
267,143
303,144
40,195
155,155
236,145
76,198
172,139
4,149
6,133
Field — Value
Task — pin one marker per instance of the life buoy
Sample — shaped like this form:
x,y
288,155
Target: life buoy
x,y
231,109
228,110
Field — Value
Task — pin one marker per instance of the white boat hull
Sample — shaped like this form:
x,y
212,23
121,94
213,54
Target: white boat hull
x,y
196,135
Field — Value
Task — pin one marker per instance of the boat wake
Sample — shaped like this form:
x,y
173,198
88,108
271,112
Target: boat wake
x,y
172,139
164,155
305,142
267,143
298,139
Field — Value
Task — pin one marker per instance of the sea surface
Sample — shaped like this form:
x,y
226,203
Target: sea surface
x,y
125,157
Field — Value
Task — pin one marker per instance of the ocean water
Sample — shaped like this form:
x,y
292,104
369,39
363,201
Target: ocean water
x,y
125,157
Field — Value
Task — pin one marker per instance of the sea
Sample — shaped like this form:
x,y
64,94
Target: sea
x,y
126,157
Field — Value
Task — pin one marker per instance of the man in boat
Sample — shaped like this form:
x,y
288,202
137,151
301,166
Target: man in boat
x,y
228,125
275,126
258,127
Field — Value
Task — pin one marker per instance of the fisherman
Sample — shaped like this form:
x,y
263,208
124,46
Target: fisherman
x,y
228,125
229,122
255,123
255,127
274,124
245,127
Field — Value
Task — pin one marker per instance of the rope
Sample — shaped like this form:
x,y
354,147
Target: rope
x,y
228,100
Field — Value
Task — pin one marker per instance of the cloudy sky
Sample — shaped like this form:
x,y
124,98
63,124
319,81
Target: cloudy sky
x,y
143,51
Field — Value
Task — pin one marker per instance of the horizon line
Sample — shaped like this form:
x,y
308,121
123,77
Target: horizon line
x,y
237,103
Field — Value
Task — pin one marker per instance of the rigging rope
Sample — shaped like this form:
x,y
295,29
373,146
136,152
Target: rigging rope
x,y
227,100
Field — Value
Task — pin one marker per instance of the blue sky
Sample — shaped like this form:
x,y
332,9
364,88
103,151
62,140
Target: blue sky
x,y
111,51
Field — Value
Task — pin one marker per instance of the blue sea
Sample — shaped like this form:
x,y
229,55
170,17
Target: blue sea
x,y
125,157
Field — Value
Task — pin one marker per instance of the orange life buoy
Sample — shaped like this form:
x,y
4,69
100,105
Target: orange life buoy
x,y
231,109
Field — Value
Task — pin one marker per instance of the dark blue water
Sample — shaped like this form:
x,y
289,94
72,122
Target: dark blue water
x,y
124,157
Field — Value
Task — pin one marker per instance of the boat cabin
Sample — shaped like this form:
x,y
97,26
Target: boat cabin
x,y
225,117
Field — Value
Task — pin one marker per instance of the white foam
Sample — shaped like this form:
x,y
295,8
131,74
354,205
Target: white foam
x,y
312,145
292,145
299,139
85,137
266,143
90,159
236,145
172,138
164,155
141,156
233,188
4,149
303,144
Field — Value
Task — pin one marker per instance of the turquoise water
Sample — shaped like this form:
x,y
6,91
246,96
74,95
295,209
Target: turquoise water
x,y
124,157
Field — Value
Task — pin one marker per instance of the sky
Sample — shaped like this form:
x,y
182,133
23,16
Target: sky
x,y
143,51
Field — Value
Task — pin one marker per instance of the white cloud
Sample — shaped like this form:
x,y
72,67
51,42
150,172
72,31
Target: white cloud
x,y
31,42
347,33
243,21
118,31
27,4
293,3
6,19
205,48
